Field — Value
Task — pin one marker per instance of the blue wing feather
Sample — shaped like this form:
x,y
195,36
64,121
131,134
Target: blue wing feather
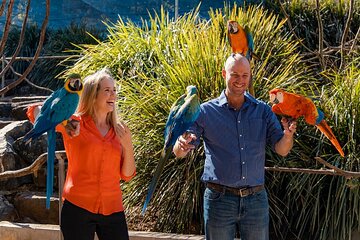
x,y
250,43
171,118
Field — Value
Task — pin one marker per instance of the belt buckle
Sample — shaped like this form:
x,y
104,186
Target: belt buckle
x,y
243,192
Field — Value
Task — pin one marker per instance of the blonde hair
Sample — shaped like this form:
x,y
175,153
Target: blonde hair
x,y
88,97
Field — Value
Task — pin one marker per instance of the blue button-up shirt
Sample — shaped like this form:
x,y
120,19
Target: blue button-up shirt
x,y
235,141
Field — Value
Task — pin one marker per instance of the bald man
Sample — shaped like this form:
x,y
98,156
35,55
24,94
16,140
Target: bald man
x,y
235,128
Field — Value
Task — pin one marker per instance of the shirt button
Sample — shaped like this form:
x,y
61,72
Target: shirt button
x,y
240,135
243,177
239,121
242,148
243,162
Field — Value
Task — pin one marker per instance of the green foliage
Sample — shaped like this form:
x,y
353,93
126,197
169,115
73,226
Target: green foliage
x,y
155,62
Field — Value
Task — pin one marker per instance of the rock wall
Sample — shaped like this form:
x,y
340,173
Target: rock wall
x,y
22,199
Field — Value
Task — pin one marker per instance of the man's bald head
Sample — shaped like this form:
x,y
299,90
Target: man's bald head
x,y
235,58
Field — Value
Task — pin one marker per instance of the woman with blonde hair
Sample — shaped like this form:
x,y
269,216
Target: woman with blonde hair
x,y
100,154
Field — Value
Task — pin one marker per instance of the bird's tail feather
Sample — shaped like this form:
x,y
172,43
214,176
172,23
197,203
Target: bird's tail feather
x,y
163,159
326,130
50,165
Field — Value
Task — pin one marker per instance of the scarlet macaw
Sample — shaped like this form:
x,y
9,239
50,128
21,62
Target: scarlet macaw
x,y
183,114
295,106
57,108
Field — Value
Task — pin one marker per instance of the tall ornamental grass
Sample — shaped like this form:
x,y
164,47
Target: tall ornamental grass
x,y
155,61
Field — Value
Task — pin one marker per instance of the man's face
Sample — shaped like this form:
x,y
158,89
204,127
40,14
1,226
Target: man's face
x,y
237,76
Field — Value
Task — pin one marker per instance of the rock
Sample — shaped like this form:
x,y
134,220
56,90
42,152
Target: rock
x,y
9,159
8,135
7,210
3,123
5,109
32,205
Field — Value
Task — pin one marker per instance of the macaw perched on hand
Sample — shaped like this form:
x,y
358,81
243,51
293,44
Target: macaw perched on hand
x,y
295,106
183,114
57,108
241,40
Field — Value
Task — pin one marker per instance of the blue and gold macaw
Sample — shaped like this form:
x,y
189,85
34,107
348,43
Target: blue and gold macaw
x,y
57,108
241,41
183,114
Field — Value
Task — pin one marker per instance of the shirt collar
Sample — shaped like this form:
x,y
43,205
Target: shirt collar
x,y
248,99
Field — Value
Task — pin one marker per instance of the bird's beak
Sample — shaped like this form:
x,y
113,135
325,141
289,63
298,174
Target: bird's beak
x,y
78,85
232,29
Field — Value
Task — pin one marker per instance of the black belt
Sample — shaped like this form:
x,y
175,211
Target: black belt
x,y
242,192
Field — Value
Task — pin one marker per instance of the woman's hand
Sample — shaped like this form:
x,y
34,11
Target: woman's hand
x,y
128,168
72,128
125,139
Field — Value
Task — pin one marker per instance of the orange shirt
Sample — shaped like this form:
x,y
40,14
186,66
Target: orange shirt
x,y
94,164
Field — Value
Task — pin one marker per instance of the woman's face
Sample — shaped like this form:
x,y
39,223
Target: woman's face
x,y
106,96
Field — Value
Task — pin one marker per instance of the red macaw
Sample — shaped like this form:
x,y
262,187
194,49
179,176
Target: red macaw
x,y
295,106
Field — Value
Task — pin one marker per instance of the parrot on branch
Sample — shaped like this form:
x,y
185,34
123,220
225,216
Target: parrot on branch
x,y
57,108
241,41
294,106
183,113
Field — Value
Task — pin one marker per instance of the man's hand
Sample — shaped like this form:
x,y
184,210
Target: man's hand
x,y
184,144
289,126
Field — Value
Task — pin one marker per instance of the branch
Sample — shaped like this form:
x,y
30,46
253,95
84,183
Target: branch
x,y
32,169
321,37
332,171
36,55
6,27
30,83
355,39
291,28
2,7
301,170
21,40
346,30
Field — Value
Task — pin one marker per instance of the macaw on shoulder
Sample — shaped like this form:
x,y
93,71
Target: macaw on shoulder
x,y
57,108
295,106
183,113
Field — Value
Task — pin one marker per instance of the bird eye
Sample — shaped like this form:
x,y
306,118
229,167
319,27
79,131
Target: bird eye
x,y
280,97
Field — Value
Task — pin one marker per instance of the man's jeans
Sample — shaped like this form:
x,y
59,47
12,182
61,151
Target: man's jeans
x,y
224,211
